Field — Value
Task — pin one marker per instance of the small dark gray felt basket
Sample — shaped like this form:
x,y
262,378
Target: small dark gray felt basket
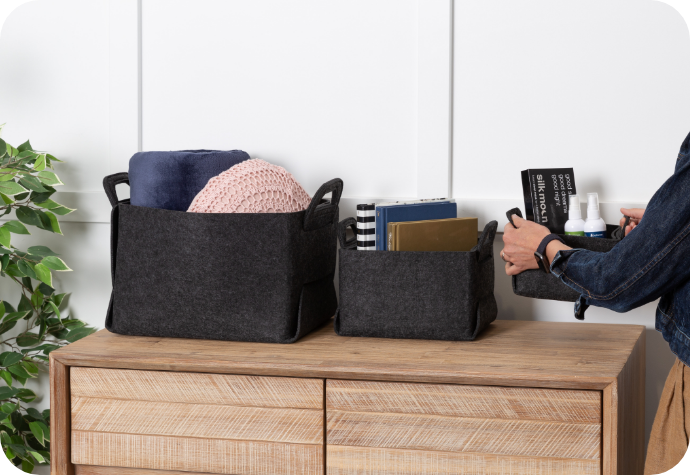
x,y
265,277
539,285
418,295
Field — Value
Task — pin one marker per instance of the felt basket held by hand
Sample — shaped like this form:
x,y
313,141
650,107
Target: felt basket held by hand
x,y
265,277
419,295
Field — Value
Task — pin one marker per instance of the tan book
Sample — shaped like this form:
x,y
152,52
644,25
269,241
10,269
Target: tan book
x,y
453,234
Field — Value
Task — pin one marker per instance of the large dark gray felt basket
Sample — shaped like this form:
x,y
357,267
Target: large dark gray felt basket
x,y
419,295
265,277
540,285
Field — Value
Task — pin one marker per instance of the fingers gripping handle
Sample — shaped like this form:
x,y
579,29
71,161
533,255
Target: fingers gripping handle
x,y
320,214
342,233
109,184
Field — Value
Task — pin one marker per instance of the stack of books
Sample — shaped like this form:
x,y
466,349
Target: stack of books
x,y
422,225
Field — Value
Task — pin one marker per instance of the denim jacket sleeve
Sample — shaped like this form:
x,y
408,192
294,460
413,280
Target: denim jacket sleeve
x,y
649,262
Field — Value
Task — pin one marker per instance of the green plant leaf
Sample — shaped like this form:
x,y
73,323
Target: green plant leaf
x,y
37,431
11,188
55,309
42,251
45,220
73,324
16,227
21,196
4,237
37,299
54,222
26,269
7,175
2,308
46,289
10,456
30,367
19,370
52,158
55,263
32,183
4,374
25,340
43,273
26,395
63,210
40,164
7,408
6,199
25,146
14,317
27,466
24,304
7,326
49,178
41,197
39,458
3,147
79,333
6,393
28,216
9,358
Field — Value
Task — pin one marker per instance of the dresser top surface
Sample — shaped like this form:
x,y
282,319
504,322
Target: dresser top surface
x,y
508,353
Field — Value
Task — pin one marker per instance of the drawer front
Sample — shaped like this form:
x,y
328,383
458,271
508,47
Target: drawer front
x,y
400,428
193,422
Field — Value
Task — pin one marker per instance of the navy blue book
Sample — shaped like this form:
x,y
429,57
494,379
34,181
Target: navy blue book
x,y
410,212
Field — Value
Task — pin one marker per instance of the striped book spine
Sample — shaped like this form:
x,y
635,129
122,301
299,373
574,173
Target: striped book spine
x,y
366,227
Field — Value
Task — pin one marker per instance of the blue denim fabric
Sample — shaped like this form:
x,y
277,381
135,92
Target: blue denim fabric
x,y
651,262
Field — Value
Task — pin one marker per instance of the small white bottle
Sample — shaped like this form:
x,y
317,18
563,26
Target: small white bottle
x,y
575,226
594,226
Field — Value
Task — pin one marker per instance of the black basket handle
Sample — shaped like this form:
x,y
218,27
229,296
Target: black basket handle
x,y
109,184
320,214
342,233
485,246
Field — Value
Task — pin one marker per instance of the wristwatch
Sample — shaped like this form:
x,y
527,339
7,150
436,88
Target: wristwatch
x,y
540,253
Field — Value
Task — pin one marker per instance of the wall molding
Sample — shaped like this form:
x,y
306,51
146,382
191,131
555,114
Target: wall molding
x,y
435,99
93,207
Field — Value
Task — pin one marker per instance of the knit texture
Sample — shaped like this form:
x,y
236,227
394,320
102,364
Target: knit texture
x,y
171,180
419,295
254,186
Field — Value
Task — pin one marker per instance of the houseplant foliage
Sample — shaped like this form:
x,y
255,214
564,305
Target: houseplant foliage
x,y
27,183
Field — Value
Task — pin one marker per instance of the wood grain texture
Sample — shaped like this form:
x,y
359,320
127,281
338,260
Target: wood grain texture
x,y
370,461
464,401
299,426
456,434
60,419
96,470
623,418
195,455
197,388
509,353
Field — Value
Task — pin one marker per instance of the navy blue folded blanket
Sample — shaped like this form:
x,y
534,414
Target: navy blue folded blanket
x,y
171,180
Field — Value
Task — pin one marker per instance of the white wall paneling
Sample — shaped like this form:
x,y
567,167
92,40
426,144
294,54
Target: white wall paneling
x,y
400,98
435,112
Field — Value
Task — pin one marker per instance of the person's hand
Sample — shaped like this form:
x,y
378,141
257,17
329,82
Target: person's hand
x,y
521,243
635,218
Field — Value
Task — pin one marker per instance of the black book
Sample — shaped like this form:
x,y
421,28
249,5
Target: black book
x,y
546,192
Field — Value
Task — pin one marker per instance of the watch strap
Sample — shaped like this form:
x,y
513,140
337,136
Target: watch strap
x,y
545,242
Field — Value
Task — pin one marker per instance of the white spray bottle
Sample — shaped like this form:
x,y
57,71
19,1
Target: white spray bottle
x,y
575,226
594,226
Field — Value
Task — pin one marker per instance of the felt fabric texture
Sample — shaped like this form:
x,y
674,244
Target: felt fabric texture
x,y
254,186
223,276
540,285
171,180
417,295
668,441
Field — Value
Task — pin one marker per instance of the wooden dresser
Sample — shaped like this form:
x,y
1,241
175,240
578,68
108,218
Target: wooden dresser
x,y
526,398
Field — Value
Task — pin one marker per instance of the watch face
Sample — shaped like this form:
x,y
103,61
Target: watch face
x,y
541,262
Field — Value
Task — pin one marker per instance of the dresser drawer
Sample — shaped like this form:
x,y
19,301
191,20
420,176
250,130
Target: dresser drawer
x,y
400,428
195,422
